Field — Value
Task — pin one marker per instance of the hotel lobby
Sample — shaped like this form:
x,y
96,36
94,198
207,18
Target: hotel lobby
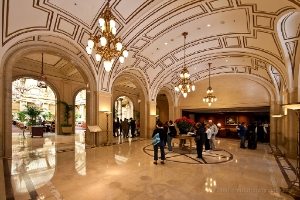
x,y
84,64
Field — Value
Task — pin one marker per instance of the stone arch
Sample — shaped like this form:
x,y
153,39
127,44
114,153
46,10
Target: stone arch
x,y
9,60
164,80
218,81
288,30
143,96
171,102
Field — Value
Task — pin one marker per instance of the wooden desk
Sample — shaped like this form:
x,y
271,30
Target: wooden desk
x,y
182,139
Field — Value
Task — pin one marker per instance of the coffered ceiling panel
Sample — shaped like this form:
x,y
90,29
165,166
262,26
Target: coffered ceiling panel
x,y
292,26
266,6
84,11
63,43
266,42
25,19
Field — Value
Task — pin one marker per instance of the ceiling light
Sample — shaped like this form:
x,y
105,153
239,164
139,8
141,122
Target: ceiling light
x,y
185,85
106,45
41,83
208,24
166,43
209,98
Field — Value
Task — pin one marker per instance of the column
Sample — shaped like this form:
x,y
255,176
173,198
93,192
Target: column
x,y
105,104
151,118
291,127
275,109
120,108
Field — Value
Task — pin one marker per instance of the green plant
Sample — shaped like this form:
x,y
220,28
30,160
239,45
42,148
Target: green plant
x,y
33,112
77,115
137,114
47,115
21,116
67,113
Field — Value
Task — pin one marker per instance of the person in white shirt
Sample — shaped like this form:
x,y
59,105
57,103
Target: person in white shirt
x,y
214,131
208,136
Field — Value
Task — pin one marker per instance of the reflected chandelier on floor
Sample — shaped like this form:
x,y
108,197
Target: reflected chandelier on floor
x,y
210,97
106,45
185,85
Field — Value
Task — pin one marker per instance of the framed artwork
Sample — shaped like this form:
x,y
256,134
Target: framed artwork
x,y
231,120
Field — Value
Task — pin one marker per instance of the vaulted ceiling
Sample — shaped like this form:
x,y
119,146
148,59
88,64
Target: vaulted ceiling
x,y
257,38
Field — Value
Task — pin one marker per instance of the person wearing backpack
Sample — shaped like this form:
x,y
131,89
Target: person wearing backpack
x,y
161,144
171,134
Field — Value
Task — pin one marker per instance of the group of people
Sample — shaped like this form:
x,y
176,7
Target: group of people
x,y
256,132
205,134
121,128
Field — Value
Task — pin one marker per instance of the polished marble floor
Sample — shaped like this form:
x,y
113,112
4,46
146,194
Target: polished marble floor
x,y
63,167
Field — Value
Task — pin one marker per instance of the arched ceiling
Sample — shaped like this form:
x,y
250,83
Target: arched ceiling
x,y
236,36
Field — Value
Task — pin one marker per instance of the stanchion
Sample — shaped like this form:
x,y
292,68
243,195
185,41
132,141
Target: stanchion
x,y
294,190
107,141
277,151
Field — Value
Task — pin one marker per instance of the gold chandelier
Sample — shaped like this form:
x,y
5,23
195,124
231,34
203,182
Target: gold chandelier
x,y
41,83
106,45
209,98
185,85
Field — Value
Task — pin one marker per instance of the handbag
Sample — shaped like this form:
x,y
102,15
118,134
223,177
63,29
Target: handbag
x,y
197,138
156,139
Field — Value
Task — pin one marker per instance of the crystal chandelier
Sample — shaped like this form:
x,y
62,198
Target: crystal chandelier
x,y
41,83
106,45
209,98
185,85
19,89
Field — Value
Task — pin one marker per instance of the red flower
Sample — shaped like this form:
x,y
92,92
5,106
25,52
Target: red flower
x,y
184,123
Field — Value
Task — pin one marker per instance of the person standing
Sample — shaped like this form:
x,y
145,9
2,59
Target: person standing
x,y
171,133
138,126
242,135
121,131
163,137
207,138
125,128
214,131
261,131
200,139
132,127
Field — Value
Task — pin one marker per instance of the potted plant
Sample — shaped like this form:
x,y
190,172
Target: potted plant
x,y
184,124
32,112
66,127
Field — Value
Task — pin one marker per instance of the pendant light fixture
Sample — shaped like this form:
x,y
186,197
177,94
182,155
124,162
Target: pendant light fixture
x,y
42,78
185,85
209,98
106,45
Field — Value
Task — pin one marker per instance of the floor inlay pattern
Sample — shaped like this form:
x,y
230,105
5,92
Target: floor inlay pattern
x,y
183,156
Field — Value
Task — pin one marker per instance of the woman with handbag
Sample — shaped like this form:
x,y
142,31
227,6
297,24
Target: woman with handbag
x,y
200,139
161,144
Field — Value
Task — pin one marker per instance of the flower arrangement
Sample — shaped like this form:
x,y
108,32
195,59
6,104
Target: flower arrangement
x,y
184,123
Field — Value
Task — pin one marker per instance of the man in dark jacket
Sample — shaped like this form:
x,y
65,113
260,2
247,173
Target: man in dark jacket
x,y
200,139
132,127
242,135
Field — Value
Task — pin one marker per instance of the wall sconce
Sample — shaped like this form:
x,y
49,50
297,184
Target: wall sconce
x,y
219,124
139,101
